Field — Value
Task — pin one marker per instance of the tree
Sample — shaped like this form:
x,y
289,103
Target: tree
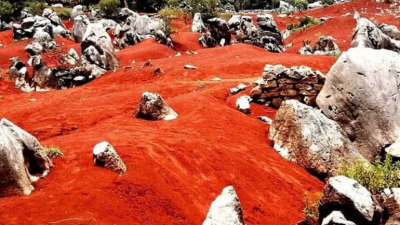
x,y
6,10
109,7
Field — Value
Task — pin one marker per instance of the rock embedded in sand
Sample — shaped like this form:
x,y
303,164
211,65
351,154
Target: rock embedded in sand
x,y
20,155
361,94
153,107
104,155
225,210
304,135
348,196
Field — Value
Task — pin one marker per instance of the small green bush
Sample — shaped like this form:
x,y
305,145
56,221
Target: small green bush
x,y
53,151
301,4
37,6
6,10
109,7
64,13
375,177
304,22
328,2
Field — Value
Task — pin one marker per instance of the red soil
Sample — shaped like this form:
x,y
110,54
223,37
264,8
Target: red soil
x,y
175,168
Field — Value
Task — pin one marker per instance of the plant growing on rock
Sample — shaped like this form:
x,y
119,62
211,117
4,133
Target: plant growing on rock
x,y
375,177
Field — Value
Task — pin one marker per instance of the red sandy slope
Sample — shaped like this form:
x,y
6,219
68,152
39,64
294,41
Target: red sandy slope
x,y
175,168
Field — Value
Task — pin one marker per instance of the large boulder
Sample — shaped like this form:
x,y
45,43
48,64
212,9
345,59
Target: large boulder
x,y
307,137
368,35
21,155
353,200
361,94
97,48
153,107
225,210
43,77
81,23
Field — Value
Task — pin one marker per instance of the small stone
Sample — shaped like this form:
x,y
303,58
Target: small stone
x,y
265,119
305,87
277,102
190,67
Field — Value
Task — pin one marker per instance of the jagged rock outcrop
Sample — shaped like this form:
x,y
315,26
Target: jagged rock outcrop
x,y
153,107
307,137
368,35
218,32
97,48
20,156
353,200
390,31
361,94
324,46
225,210
280,83
104,155
81,23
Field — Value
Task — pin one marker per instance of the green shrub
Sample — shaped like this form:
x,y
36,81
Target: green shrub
x,y
301,4
6,10
37,6
109,7
375,177
63,13
328,2
304,22
53,151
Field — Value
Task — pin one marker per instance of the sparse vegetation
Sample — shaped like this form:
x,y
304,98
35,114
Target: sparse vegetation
x,y
109,7
168,14
335,54
53,151
304,22
37,6
375,177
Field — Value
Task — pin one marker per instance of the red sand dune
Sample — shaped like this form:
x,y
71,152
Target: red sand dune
x,y
175,168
